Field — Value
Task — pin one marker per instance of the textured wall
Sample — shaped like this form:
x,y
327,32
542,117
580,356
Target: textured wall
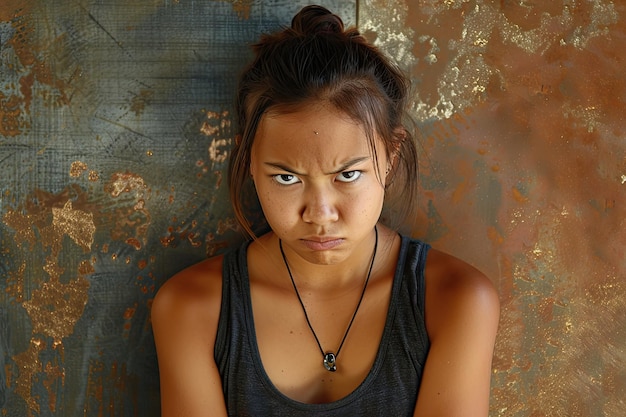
x,y
523,110
115,125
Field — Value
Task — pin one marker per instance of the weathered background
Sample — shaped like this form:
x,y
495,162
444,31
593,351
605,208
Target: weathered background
x,y
115,126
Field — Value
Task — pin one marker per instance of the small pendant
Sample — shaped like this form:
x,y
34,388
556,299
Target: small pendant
x,y
329,362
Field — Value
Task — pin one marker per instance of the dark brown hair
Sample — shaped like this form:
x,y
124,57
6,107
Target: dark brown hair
x,y
316,60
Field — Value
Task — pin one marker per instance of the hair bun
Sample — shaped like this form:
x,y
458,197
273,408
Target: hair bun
x,y
313,20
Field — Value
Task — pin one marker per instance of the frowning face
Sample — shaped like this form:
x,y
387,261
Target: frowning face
x,y
319,186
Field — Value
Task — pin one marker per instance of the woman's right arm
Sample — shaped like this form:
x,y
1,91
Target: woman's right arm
x,y
185,314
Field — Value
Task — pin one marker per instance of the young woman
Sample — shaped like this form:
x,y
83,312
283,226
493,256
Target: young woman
x,y
330,312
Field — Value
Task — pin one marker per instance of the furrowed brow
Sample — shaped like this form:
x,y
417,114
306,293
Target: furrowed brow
x,y
283,167
350,164
344,167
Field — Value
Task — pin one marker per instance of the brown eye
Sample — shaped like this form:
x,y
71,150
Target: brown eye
x,y
286,179
349,176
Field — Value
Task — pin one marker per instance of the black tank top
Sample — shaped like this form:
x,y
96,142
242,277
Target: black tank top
x,y
390,388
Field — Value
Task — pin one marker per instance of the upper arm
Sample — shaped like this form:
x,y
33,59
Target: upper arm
x,y
462,315
185,313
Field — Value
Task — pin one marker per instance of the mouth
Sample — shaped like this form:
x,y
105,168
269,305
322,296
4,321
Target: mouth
x,y
322,243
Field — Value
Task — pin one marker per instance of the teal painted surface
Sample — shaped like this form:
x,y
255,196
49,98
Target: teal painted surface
x,y
115,126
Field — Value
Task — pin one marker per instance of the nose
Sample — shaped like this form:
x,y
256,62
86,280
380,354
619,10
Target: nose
x,y
319,207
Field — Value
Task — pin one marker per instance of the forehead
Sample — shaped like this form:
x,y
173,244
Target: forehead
x,y
316,130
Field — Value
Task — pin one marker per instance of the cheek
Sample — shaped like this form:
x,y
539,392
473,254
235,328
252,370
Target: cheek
x,y
275,209
367,204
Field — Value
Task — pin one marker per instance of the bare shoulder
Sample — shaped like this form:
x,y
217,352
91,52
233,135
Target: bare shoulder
x,y
194,292
462,315
185,315
456,290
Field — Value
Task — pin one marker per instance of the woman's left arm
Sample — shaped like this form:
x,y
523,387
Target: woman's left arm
x,y
462,315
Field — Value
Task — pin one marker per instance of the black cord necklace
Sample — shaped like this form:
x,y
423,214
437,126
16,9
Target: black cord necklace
x,y
330,358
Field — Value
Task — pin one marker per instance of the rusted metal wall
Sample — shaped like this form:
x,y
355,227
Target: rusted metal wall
x,y
523,110
115,126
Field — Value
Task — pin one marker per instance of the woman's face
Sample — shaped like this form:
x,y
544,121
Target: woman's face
x,y
316,180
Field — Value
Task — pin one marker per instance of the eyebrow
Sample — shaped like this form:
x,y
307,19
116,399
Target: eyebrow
x,y
342,168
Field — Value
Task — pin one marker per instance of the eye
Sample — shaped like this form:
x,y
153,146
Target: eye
x,y
286,179
349,176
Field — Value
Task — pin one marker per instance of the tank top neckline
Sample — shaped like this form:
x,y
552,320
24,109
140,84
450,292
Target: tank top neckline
x,y
380,354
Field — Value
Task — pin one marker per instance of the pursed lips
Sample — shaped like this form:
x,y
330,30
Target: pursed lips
x,y
321,242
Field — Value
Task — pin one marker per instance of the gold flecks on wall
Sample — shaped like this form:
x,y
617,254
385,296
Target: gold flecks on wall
x,y
29,366
131,217
76,224
53,306
389,29
459,32
77,169
15,283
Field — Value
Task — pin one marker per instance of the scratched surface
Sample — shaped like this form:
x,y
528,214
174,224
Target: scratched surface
x,y
115,124
115,127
